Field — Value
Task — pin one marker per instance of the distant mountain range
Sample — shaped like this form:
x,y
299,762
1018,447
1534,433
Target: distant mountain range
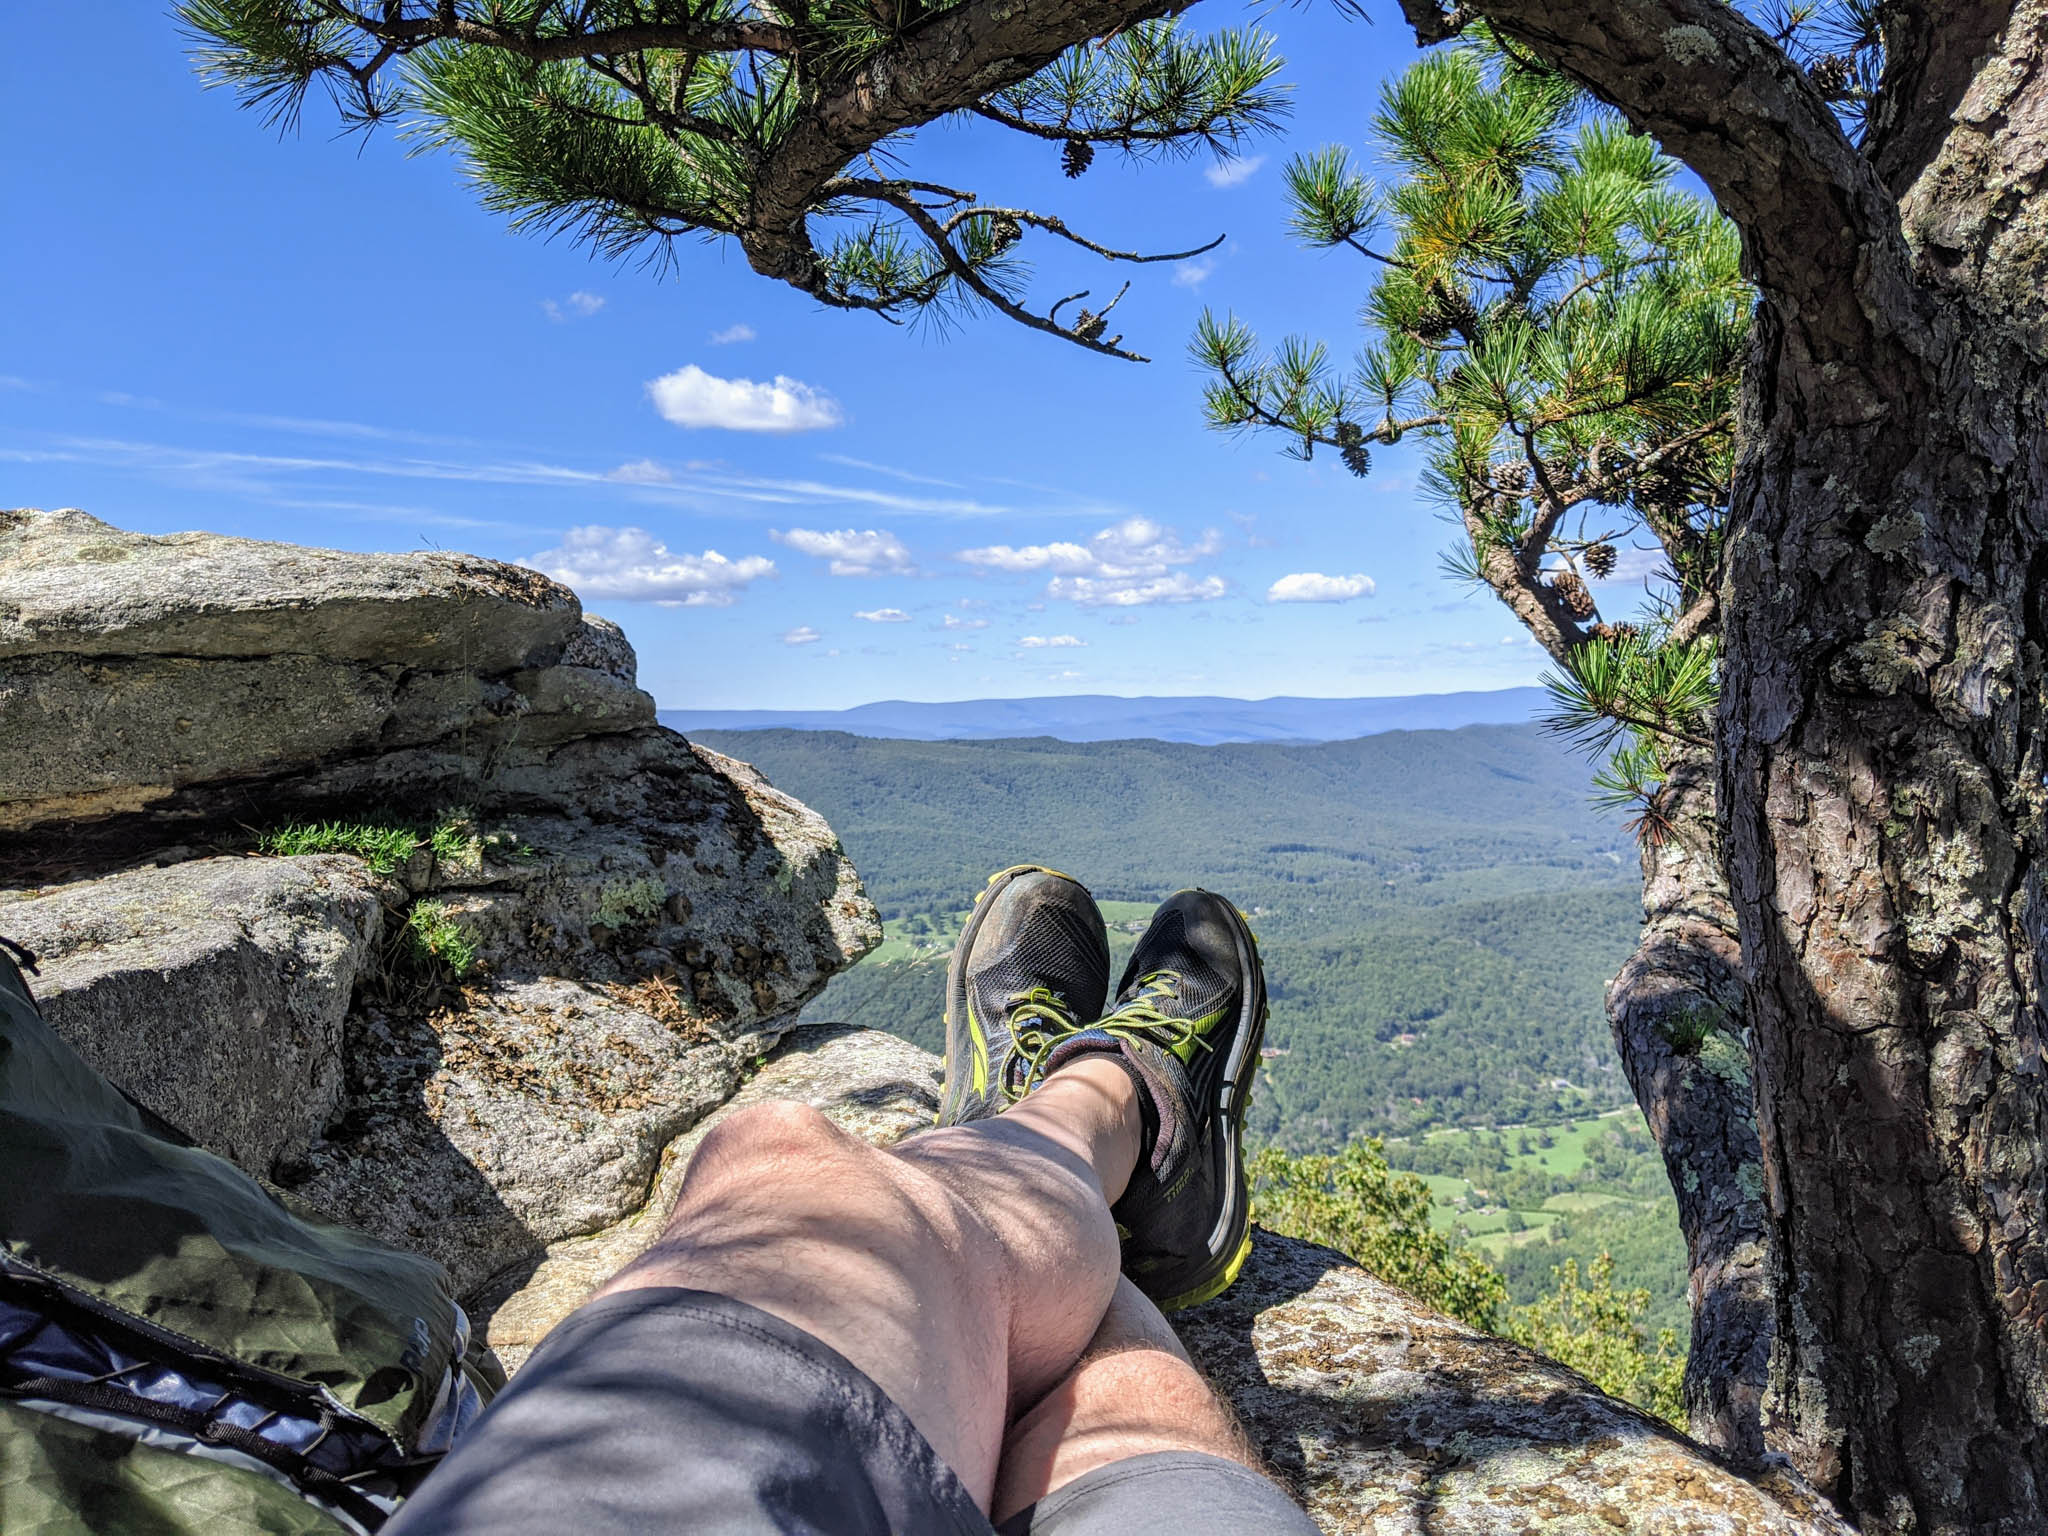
x,y
1102,717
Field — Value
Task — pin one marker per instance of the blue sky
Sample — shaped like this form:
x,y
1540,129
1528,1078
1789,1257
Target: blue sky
x,y
327,341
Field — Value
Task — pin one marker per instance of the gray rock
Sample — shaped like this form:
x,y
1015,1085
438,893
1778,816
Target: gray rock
x,y
521,1113
167,673
870,1084
1388,1419
1382,1417
603,647
213,991
76,585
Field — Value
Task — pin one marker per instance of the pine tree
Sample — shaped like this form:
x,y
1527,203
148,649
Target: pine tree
x,y
1883,705
633,125
1563,329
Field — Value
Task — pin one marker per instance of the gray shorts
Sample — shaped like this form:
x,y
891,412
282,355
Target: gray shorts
x,y
668,1410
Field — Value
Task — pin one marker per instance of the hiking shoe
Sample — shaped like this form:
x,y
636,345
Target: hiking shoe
x,y
1189,1016
1031,969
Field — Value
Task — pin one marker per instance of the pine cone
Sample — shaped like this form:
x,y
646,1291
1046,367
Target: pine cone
x,y
1005,232
1830,74
1350,438
1432,321
1512,478
1571,591
1090,325
1077,156
1601,559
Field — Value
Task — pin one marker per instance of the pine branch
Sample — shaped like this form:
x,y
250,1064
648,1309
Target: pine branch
x,y
633,123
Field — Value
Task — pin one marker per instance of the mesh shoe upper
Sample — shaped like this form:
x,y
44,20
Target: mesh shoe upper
x,y
1032,965
1189,1018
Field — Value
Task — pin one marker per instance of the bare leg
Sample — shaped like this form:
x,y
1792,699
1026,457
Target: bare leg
x,y
1134,1391
963,1271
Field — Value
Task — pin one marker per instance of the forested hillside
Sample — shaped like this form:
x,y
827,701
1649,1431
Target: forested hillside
x,y
1439,910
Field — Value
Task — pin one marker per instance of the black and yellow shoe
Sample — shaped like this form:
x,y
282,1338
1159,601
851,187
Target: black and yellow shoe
x,y
1031,968
1189,1017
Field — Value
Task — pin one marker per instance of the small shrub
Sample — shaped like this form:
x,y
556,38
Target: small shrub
x,y
436,941
1355,1203
385,847
1597,1330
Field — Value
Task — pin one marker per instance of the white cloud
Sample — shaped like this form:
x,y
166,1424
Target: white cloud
x,y
737,332
1039,642
1135,547
1192,274
1315,587
631,563
1030,557
1234,172
803,634
641,472
882,615
578,306
852,551
954,621
1094,592
958,645
690,397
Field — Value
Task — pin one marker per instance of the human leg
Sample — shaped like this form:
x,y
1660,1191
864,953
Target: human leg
x,y
1133,1441
827,1339
1133,1392
963,1271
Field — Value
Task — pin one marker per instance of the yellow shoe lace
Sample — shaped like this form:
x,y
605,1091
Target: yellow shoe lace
x,y
1144,1018
1039,1020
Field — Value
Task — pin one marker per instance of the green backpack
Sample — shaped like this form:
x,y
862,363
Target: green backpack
x,y
180,1349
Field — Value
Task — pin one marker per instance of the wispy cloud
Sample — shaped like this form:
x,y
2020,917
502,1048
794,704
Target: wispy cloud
x,y
263,476
1192,274
632,564
882,615
885,469
1315,587
803,634
690,397
1043,642
954,621
733,334
578,306
1234,171
851,551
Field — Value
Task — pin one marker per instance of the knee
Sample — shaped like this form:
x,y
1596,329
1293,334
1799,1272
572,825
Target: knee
x,y
775,1134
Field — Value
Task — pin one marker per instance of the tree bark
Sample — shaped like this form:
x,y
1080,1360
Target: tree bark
x,y
1884,697
1676,1010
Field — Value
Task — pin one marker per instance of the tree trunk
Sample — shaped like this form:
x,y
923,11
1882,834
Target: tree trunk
x,y
1676,1010
1882,770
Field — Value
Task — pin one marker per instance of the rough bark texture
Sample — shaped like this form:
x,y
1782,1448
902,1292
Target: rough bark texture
x,y
1676,1010
1881,755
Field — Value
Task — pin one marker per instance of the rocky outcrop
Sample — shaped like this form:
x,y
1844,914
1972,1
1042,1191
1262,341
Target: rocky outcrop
x,y
143,672
476,1037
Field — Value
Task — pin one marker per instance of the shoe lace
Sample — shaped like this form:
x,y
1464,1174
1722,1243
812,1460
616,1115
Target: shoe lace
x,y
1145,1017
1040,1019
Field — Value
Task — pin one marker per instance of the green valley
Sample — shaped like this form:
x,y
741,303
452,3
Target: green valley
x,y
1439,912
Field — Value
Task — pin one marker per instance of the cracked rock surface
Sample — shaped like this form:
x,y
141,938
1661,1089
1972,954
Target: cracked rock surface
x,y
639,918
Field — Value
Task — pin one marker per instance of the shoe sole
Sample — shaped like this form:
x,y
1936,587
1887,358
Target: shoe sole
x,y
1233,1100
956,968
